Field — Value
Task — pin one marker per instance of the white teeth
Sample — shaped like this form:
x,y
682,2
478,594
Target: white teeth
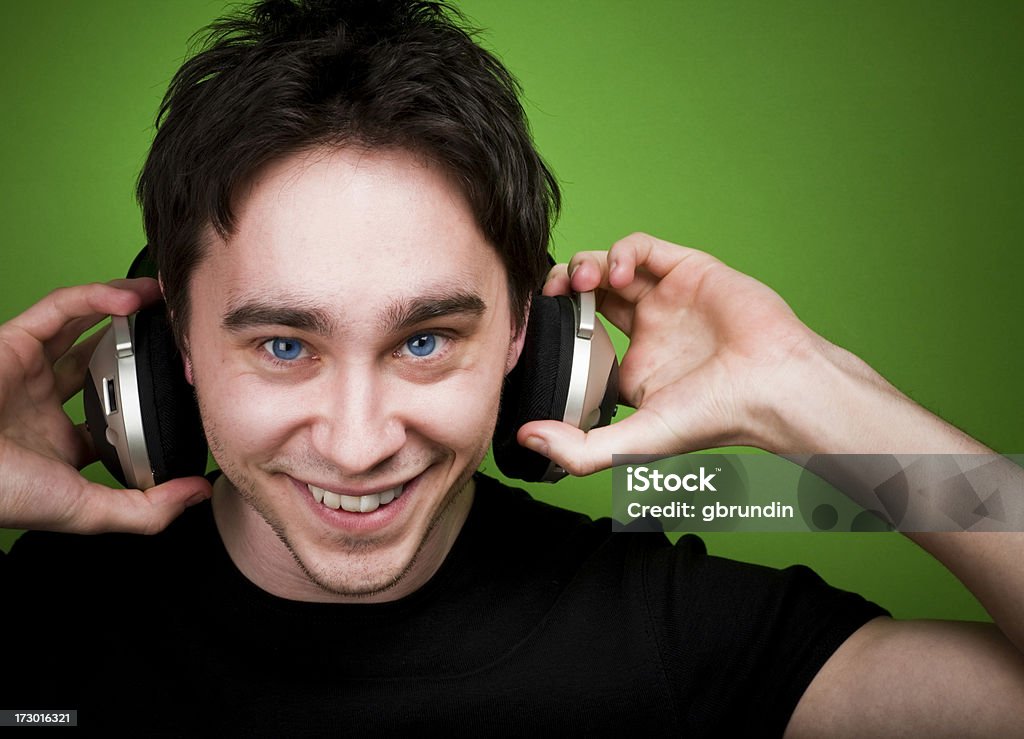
x,y
351,503
355,503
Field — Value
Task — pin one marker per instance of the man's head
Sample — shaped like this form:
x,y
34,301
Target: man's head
x,y
292,76
349,217
368,367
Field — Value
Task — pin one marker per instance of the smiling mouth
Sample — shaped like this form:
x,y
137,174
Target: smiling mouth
x,y
355,503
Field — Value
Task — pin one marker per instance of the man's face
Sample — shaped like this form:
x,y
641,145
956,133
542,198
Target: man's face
x,y
347,345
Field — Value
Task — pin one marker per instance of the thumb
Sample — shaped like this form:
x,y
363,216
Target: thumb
x,y
141,512
584,452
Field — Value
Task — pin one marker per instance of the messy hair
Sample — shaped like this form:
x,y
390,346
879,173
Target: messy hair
x,y
287,76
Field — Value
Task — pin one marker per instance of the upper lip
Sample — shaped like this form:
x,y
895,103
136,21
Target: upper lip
x,y
355,493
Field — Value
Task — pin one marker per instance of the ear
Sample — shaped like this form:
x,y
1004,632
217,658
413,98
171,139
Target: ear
x,y
186,360
515,345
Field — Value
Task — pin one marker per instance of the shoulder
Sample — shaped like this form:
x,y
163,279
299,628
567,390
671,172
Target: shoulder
x,y
82,562
741,637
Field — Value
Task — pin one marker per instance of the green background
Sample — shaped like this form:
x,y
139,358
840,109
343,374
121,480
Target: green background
x,y
863,159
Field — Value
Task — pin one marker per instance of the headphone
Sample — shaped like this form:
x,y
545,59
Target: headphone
x,y
144,420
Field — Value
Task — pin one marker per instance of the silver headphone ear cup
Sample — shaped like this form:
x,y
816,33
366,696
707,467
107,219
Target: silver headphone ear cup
x,y
140,411
113,409
567,372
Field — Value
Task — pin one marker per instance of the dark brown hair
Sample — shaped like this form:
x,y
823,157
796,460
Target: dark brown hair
x,y
286,76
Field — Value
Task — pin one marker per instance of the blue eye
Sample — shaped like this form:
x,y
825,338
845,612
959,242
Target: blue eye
x,y
284,349
422,345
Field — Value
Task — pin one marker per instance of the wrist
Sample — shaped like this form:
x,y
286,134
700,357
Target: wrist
x,y
826,400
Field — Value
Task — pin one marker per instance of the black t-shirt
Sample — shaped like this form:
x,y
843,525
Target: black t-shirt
x,y
540,621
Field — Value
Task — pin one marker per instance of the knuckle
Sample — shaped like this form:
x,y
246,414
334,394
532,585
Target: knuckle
x,y
84,517
153,525
578,464
62,298
58,294
635,238
62,295
154,518
573,467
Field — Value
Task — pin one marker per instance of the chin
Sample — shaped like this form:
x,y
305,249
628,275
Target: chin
x,y
364,567
360,576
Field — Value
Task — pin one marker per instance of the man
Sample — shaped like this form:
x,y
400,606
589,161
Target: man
x,y
347,261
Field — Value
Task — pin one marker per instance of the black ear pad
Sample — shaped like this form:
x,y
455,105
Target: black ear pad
x,y
170,416
537,388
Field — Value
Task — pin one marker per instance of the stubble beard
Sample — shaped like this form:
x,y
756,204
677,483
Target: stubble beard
x,y
370,579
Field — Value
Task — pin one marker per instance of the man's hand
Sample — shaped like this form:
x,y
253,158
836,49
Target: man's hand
x,y
41,451
716,358
708,346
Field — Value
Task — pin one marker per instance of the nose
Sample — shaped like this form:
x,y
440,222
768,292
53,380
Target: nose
x,y
357,423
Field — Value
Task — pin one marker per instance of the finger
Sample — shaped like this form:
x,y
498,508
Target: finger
x,y
69,371
588,270
65,339
640,250
615,307
591,270
629,257
102,509
82,306
140,291
557,281
582,453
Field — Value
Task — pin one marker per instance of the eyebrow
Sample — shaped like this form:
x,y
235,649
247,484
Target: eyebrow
x,y
397,316
256,313
404,314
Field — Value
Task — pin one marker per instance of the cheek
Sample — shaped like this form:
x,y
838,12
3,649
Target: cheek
x,y
243,416
458,412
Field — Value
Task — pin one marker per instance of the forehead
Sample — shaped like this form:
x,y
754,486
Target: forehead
x,y
358,225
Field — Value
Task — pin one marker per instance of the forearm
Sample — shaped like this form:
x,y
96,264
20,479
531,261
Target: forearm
x,y
834,404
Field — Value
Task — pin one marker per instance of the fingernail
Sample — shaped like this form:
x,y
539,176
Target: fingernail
x,y
536,444
572,270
